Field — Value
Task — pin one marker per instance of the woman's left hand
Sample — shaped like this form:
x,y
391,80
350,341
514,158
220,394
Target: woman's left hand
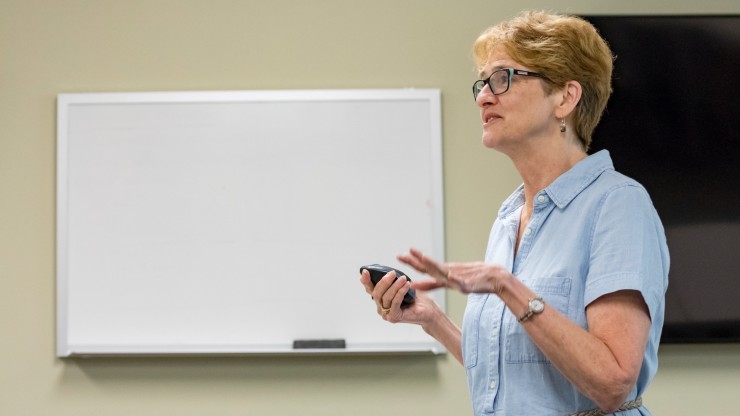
x,y
476,277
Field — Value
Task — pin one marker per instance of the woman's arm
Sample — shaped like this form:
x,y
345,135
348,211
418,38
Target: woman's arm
x,y
447,333
603,362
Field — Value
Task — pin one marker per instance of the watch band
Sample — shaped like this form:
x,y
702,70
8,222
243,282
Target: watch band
x,y
535,305
526,316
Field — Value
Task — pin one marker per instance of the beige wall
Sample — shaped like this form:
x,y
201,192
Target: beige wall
x,y
56,46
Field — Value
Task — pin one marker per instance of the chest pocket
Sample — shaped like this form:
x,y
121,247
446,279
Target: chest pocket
x,y
519,347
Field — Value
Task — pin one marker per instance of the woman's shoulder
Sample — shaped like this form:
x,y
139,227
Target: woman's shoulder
x,y
618,195
612,182
613,190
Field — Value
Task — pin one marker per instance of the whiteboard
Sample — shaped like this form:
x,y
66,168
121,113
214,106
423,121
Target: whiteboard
x,y
235,222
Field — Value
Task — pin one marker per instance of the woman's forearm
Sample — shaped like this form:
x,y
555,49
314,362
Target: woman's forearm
x,y
447,333
602,362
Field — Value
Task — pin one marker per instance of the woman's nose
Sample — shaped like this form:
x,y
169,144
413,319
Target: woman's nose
x,y
485,96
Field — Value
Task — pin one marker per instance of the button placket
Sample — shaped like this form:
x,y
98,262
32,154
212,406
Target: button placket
x,y
494,356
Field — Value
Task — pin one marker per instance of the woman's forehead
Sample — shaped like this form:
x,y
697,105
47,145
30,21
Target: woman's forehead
x,y
497,59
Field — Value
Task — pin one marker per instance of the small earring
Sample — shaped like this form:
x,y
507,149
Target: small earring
x,y
562,125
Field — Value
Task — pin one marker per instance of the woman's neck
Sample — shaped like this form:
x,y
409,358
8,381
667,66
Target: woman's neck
x,y
538,169
541,166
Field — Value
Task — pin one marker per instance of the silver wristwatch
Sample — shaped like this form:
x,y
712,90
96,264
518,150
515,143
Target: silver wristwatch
x,y
536,305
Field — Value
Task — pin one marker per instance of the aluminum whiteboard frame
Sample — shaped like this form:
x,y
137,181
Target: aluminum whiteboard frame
x,y
65,349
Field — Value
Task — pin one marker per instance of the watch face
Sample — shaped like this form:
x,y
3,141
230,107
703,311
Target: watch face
x,y
537,305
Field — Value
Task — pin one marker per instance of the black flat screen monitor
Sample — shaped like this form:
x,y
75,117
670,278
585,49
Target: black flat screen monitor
x,y
673,124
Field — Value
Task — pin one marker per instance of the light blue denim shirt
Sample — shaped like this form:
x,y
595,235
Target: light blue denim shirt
x,y
593,231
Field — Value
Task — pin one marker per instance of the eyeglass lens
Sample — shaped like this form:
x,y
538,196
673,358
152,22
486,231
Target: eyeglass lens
x,y
498,82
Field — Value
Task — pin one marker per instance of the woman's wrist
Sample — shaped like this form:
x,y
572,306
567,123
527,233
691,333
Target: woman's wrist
x,y
433,321
438,323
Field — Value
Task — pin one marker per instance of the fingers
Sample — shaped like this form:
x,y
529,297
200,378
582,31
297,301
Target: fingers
x,y
461,276
478,277
365,280
434,269
399,289
424,264
414,258
394,313
413,262
395,291
388,293
427,285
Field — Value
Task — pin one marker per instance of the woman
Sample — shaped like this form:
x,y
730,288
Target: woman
x,y
565,314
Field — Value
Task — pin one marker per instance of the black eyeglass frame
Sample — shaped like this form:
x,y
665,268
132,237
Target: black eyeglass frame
x,y
481,83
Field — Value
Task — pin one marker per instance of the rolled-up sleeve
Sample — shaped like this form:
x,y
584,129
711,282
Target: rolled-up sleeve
x,y
628,248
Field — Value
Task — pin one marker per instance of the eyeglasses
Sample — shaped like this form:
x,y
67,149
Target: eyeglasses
x,y
500,80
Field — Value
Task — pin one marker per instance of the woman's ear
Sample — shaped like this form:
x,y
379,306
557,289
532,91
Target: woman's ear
x,y
569,96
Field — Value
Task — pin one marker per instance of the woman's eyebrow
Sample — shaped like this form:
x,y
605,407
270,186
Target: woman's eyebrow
x,y
482,73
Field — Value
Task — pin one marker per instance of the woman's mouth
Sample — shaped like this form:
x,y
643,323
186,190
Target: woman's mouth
x,y
489,118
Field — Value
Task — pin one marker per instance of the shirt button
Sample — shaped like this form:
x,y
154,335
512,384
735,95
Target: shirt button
x,y
492,385
528,231
541,198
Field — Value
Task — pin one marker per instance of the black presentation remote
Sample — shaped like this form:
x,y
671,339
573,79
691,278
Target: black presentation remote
x,y
377,271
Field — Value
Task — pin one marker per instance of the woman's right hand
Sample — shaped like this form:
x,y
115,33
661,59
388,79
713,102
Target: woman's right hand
x,y
388,296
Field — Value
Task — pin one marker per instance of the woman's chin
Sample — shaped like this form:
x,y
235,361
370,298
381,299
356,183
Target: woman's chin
x,y
491,141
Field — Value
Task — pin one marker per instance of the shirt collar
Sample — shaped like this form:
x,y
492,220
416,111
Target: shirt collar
x,y
568,185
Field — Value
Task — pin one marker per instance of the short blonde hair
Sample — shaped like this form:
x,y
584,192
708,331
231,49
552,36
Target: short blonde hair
x,y
562,48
